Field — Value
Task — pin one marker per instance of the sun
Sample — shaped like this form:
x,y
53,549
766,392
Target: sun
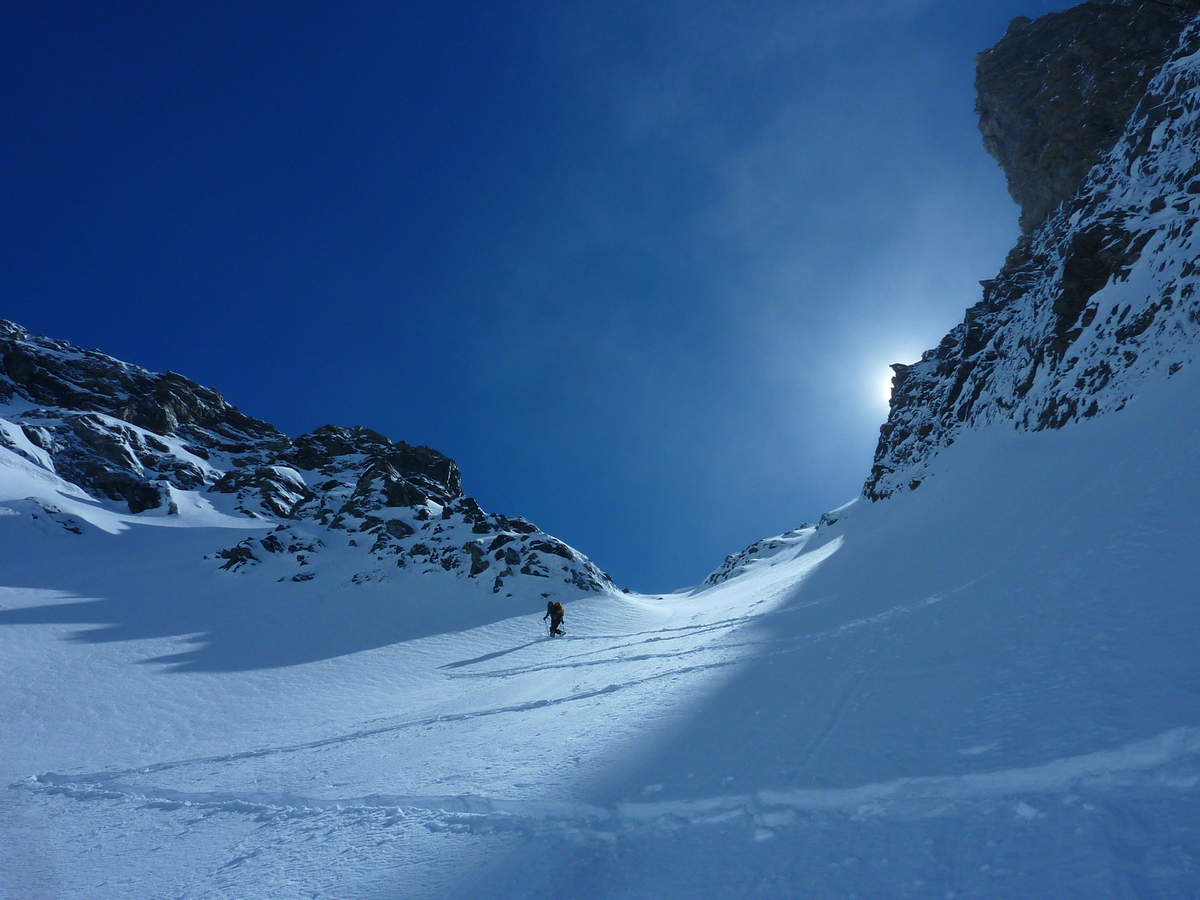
x,y
875,379
884,394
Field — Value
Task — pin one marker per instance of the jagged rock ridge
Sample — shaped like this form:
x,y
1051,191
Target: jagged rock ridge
x,y
149,441
1095,115
1096,299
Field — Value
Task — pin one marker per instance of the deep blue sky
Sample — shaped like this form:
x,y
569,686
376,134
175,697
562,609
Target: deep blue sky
x,y
639,268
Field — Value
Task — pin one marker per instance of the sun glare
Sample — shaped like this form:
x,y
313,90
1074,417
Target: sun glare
x,y
874,381
878,383
885,388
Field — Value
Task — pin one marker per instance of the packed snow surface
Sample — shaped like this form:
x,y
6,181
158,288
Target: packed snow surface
x,y
987,687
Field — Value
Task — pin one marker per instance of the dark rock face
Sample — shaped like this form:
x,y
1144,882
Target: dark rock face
x,y
1096,255
277,492
338,493
1055,93
56,374
1101,296
104,421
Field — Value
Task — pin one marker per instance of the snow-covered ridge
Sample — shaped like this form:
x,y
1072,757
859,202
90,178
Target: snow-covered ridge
x,y
1098,299
764,552
89,440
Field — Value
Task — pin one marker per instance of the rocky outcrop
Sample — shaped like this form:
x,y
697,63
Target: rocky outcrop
x,y
783,546
339,497
1097,299
55,374
1054,94
1094,115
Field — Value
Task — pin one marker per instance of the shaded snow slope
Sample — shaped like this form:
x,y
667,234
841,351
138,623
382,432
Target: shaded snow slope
x,y
988,687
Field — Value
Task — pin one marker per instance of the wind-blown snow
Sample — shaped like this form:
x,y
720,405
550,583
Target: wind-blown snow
x,y
984,688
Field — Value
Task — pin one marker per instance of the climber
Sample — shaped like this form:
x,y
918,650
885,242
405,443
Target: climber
x,y
554,610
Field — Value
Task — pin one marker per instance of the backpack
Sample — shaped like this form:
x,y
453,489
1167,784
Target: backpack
x,y
556,609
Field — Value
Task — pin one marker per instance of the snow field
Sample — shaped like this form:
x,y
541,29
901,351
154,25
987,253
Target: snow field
x,y
987,687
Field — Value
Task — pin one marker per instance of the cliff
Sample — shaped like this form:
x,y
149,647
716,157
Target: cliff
x,y
1100,295
1055,94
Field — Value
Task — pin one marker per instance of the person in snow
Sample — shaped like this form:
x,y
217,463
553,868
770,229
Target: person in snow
x,y
554,610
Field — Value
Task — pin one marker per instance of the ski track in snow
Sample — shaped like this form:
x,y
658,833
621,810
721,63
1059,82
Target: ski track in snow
x,y
781,647
1170,761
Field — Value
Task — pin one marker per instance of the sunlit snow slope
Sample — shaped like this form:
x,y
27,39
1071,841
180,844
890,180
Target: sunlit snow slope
x,y
987,687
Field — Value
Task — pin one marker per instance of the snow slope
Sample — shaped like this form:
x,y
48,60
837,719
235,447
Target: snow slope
x,y
988,687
